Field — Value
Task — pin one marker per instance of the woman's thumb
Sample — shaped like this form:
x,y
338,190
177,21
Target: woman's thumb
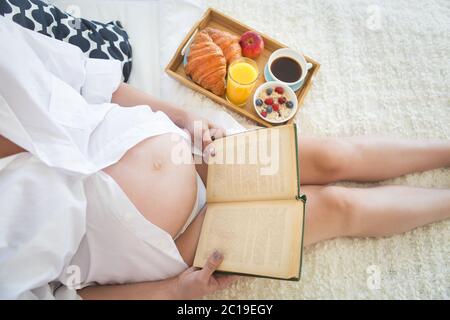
x,y
212,264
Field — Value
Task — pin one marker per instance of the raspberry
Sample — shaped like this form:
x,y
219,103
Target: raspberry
x,y
264,113
281,100
279,90
268,101
275,107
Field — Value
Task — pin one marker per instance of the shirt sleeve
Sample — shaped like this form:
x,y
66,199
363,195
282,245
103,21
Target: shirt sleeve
x,y
103,77
41,106
38,101
46,104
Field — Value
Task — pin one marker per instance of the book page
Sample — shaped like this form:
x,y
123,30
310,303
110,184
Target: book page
x,y
255,165
260,238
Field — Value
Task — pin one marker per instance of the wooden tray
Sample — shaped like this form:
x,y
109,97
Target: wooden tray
x,y
216,19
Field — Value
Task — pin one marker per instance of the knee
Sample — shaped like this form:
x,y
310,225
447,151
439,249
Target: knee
x,y
334,158
339,208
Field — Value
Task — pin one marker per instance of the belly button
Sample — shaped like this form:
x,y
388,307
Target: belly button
x,y
157,165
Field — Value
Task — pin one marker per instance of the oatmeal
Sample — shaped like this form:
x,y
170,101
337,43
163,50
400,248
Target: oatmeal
x,y
273,104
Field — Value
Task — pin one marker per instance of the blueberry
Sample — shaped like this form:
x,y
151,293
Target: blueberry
x,y
269,109
269,91
259,102
290,104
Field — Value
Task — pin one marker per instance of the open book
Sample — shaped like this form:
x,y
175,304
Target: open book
x,y
255,213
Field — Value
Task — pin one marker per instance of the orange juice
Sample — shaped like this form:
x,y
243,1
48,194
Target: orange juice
x,y
242,76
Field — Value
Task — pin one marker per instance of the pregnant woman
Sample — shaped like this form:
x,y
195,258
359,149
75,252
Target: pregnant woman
x,y
133,214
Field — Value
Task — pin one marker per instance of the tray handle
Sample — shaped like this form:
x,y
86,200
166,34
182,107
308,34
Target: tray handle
x,y
183,51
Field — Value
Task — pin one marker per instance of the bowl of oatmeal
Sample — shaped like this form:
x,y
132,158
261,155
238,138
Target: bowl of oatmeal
x,y
275,102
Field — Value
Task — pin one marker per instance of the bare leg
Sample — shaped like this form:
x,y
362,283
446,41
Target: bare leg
x,y
353,212
371,212
8,148
329,160
188,240
202,170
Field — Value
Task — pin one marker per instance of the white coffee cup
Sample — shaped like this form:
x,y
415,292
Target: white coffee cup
x,y
296,56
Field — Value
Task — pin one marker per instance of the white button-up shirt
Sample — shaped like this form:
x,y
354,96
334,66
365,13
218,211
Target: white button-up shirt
x,y
55,103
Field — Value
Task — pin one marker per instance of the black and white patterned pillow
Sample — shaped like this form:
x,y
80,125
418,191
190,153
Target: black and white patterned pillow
x,y
97,40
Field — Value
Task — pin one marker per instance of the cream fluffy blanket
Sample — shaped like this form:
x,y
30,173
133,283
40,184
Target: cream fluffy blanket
x,y
385,71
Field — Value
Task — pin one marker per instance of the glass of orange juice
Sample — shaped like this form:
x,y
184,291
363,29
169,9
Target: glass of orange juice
x,y
242,76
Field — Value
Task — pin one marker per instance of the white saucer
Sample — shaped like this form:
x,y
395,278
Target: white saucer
x,y
269,78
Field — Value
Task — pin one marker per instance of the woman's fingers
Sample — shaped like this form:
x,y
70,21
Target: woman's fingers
x,y
208,152
211,132
206,137
194,283
217,132
211,265
225,281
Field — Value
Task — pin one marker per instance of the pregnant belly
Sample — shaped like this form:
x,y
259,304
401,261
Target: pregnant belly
x,y
160,187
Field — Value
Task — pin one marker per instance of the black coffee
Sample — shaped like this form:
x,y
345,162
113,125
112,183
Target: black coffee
x,y
286,69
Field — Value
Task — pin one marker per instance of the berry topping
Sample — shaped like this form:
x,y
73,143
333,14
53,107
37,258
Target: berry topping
x,y
275,107
259,102
281,100
268,101
264,113
269,109
290,104
269,91
279,90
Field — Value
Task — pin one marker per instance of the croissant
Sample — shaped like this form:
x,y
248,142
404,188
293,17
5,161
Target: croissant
x,y
227,42
206,64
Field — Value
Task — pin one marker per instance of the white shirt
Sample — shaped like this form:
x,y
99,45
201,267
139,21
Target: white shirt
x,y
55,103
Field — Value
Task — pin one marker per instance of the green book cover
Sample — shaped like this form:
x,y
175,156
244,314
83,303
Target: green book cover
x,y
298,197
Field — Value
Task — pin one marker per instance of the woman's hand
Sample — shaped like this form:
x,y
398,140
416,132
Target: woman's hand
x,y
195,283
191,284
202,130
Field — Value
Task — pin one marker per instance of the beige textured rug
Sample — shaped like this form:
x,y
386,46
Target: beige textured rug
x,y
385,71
